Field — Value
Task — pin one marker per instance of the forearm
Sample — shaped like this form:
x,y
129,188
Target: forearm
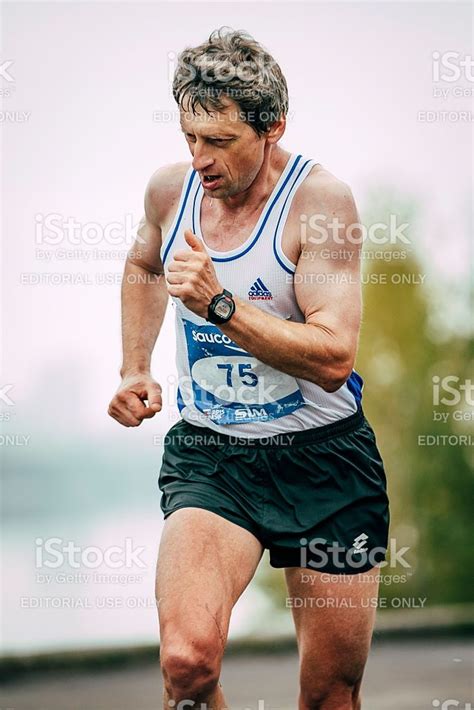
x,y
144,300
307,351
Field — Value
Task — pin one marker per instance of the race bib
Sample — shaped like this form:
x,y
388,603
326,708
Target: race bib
x,y
229,385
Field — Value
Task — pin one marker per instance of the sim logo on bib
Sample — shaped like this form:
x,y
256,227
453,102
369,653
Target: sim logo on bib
x,y
229,385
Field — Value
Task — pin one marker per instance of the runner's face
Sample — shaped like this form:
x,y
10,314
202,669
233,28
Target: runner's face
x,y
224,148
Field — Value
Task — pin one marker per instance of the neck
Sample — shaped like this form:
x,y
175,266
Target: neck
x,y
257,193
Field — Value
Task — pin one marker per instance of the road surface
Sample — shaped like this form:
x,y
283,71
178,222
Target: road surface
x,y
401,675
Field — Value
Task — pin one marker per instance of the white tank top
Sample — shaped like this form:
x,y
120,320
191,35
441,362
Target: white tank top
x,y
221,385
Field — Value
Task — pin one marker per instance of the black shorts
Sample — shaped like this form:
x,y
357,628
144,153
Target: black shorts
x,y
315,499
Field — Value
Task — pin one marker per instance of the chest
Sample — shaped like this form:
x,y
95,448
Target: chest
x,y
226,232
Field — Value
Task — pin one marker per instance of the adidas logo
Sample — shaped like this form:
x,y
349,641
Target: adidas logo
x,y
259,292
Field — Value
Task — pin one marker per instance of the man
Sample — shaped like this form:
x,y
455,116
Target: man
x,y
272,449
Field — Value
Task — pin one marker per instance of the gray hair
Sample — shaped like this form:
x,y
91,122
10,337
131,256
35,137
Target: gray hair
x,y
231,64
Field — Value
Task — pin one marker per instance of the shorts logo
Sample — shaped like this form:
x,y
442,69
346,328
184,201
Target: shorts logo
x,y
359,543
259,292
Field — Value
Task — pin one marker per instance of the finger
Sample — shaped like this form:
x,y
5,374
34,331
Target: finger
x,y
175,290
130,403
154,398
178,265
149,413
180,277
123,416
182,255
194,242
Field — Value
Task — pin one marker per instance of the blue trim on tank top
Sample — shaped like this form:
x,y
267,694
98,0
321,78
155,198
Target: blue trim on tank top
x,y
267,215
355,384
180,216
283,265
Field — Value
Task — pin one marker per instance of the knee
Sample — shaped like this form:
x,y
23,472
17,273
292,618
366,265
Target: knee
x,y
190,667
330,695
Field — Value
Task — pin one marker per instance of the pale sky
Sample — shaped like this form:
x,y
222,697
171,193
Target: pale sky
x,y
90,75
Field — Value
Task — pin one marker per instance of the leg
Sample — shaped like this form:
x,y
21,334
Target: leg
x,y
204,564
334,622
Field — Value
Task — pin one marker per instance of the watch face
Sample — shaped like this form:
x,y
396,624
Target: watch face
x,y
223,308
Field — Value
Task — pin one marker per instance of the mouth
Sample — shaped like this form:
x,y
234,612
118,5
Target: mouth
x,y
210,182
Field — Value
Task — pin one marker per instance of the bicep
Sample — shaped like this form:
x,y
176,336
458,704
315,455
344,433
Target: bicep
x,y
146,249
327,277
147,246
328,292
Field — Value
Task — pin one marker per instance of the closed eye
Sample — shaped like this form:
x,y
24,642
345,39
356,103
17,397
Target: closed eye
x,y
219,141
216,141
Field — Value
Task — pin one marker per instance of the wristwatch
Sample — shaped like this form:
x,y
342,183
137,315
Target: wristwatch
x,y
221,308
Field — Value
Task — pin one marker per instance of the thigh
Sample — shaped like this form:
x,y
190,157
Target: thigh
x,y
334,617
204,564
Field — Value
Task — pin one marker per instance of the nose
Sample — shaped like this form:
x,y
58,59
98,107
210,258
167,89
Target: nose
x,y
201,160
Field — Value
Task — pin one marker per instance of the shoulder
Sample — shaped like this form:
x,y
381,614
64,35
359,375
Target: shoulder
x,y
323,192
163,191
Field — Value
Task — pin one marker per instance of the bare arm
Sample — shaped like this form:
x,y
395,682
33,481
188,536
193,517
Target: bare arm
x,y
144,301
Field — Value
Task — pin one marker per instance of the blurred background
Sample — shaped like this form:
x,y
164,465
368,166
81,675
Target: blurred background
x,y
381,94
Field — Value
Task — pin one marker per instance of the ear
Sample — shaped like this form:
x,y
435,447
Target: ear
x,y
276,130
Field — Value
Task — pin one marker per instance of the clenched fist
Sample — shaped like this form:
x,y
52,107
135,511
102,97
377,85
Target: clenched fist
x,y
129,406
191,276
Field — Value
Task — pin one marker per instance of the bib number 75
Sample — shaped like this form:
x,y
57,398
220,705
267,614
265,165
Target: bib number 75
x,y
245,373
